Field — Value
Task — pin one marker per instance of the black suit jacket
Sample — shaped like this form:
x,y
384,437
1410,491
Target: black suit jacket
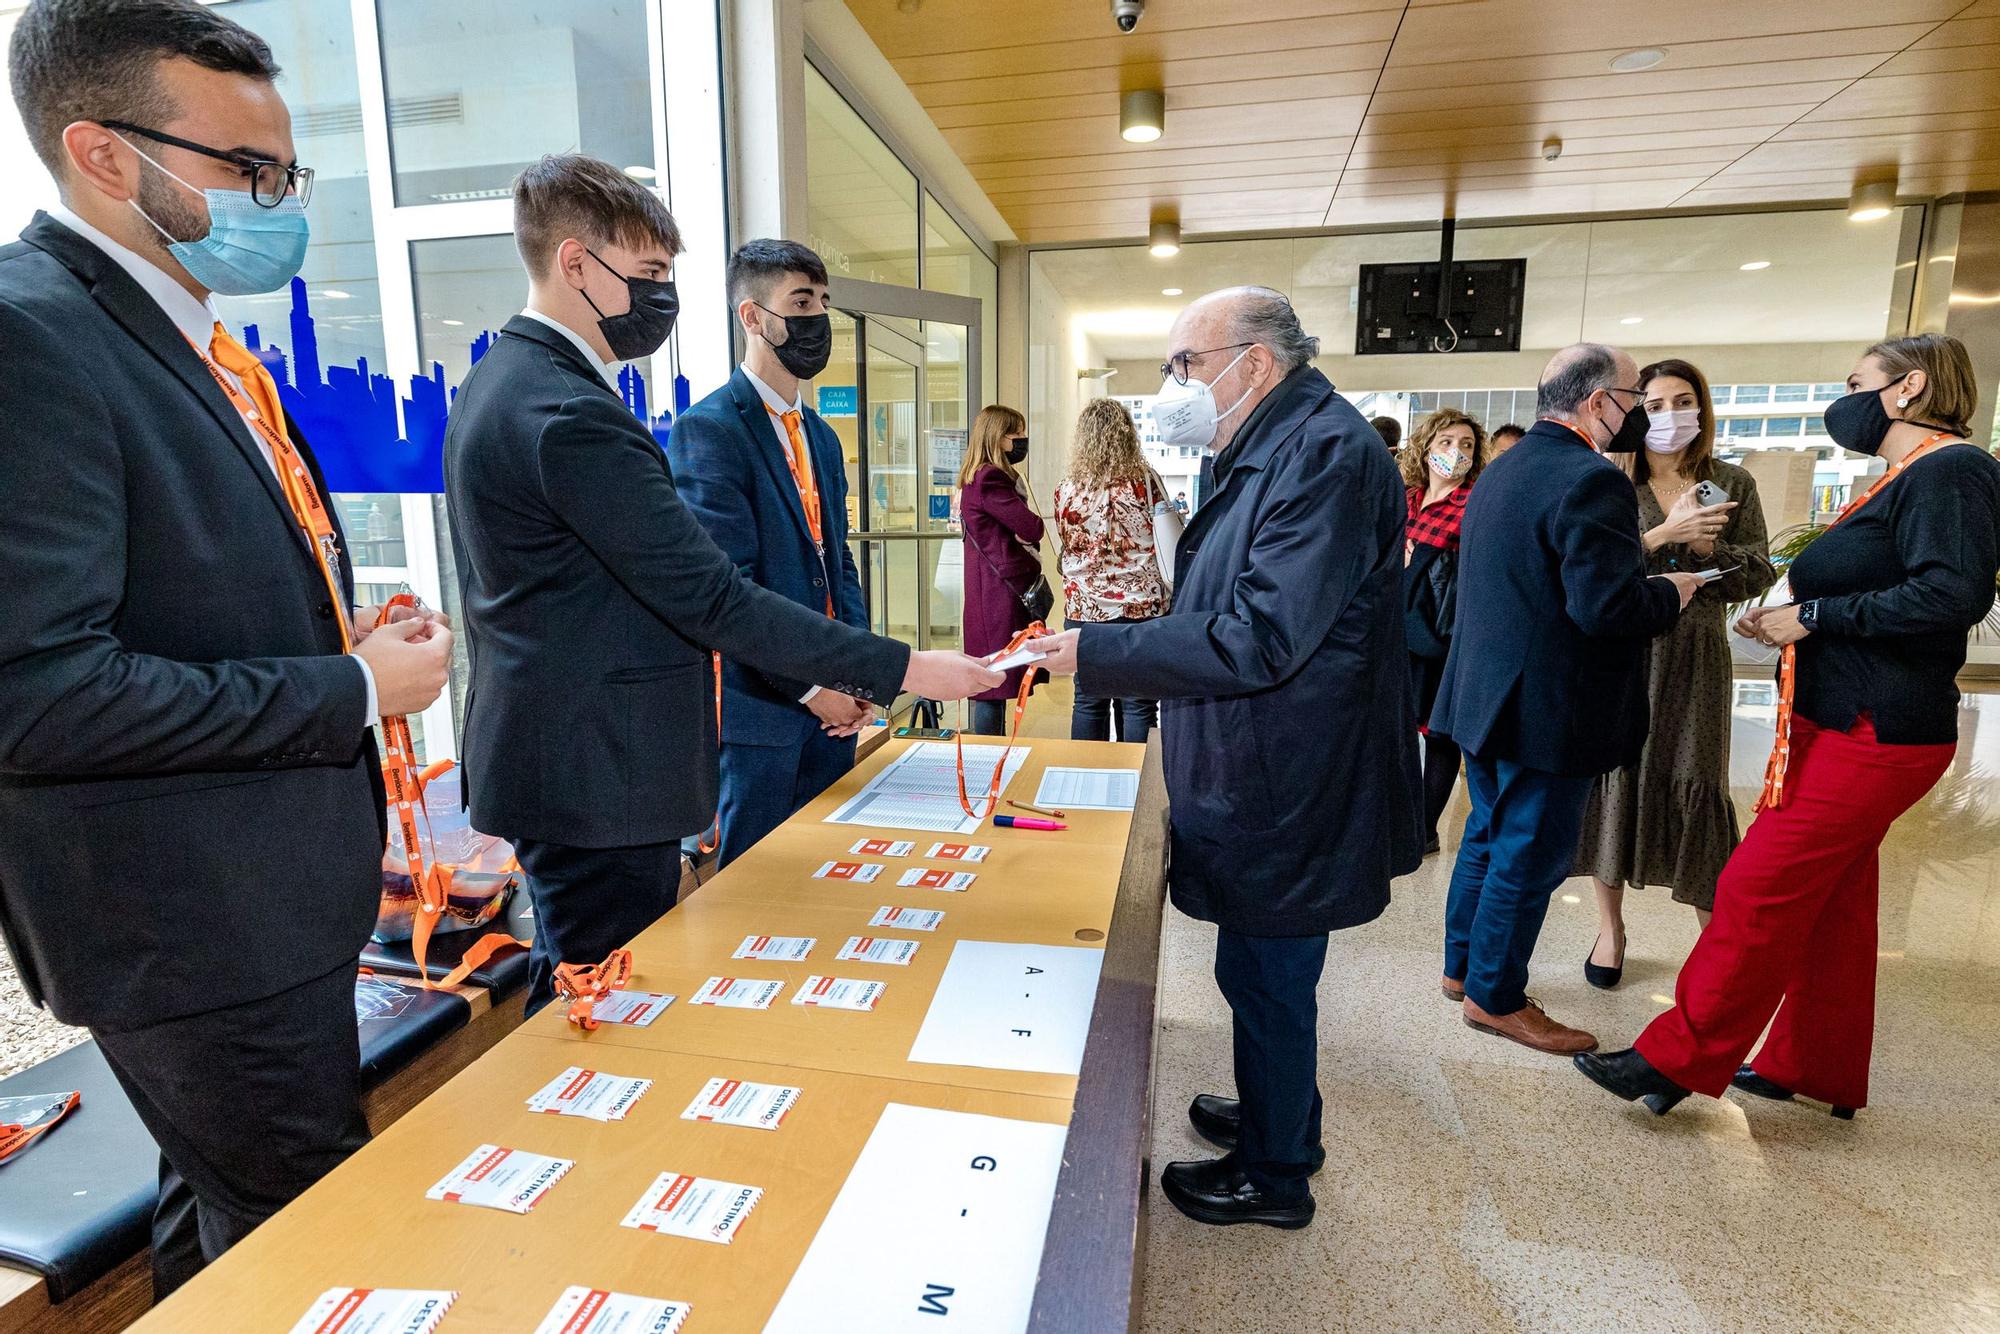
x,y
1547,664
592,599
191,811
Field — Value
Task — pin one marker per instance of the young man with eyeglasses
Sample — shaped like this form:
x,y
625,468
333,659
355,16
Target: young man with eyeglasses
x,y
191,807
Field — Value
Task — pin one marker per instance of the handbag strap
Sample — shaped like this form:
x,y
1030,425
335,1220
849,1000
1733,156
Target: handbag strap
x,y
1019,596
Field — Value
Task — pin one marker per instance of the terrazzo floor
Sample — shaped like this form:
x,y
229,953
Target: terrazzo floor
x,y
1474,1185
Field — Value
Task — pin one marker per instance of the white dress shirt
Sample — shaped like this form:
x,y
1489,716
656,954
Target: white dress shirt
x,y
597,363
778,405
196,320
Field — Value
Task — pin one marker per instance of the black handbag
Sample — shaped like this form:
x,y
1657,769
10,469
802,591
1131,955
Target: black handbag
x,y
1040,599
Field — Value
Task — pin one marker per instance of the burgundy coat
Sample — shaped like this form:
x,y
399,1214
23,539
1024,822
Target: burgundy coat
x,y
998,569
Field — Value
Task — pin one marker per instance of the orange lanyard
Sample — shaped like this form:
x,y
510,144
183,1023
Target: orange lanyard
x,y
991,797
300,493
1773,795
1571,428
406,794
15,1136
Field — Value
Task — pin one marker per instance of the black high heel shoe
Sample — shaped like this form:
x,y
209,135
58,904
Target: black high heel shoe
x,y
1747,1079
1629,1075
1604,979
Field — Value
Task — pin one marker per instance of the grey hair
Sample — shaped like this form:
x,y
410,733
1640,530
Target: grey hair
x,y
1573,375
1262,315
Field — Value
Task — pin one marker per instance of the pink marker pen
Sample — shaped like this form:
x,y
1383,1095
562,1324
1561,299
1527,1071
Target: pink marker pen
x,y
1022,822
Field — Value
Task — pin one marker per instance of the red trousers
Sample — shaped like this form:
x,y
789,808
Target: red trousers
x,y
1794,927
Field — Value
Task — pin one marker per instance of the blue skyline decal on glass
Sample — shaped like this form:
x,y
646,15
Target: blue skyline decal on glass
x,y
350,414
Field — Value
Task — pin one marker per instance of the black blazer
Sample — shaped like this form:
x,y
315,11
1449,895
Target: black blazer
x,y
191,811
592,597
1283,676
1547,664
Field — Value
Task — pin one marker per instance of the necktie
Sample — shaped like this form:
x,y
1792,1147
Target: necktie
x,y
800,462
257,401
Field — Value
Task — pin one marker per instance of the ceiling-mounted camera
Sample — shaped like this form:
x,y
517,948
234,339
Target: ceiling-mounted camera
x,y
1127,13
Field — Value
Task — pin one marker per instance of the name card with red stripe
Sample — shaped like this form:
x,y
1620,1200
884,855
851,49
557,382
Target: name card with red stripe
x,y
870,949
375,1311
737,993
588,1093
731,1102
582,1310
907,919
838,993
495,1178
683,1206
791,949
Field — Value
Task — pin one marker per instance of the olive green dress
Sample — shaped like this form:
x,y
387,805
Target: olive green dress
x,y
1668,820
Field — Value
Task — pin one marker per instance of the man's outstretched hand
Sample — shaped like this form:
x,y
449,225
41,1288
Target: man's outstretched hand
x,y
941,674
1061,650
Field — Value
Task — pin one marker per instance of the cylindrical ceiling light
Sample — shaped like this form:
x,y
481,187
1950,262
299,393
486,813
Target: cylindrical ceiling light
x,y
1142,115
1165,238
1871,200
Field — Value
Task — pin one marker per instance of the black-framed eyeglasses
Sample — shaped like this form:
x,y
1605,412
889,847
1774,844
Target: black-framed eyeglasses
x,y
1177,364
270,181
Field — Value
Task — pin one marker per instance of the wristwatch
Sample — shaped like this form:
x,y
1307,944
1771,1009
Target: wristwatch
x,y
1809,616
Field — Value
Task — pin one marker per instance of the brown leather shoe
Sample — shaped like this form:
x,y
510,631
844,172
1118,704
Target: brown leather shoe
x,y
1454,990
1531,1027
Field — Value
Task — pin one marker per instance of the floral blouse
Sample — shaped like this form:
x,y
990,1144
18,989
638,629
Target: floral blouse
x,y
1108,567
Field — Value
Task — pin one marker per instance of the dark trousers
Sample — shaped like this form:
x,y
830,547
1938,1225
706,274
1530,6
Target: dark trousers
x,y
1090,717
1271,984
763,785
1794,930
590,901
1441,764
988,717
249,1105
1519,844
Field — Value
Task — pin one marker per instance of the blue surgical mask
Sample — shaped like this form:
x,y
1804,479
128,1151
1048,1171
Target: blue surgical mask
x,y
248,249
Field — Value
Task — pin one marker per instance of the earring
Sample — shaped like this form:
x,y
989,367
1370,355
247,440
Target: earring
x,y
1902,402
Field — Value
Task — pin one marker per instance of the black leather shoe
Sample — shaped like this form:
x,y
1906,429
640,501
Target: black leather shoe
x,y
1627,1074
1220,1122
1747,1079
1218,1192
1604,979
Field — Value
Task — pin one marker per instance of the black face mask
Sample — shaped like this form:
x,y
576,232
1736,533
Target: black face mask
x,y
1859,422
640,331
1017,451
808,343
1630,437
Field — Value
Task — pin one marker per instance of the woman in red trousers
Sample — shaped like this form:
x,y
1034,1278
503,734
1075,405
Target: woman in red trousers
x,y
1867,723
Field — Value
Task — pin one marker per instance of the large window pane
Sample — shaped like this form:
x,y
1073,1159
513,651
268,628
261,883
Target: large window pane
x,y
861,201
953,263
480,88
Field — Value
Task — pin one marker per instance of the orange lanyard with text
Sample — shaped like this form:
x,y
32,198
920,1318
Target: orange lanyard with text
x,y
991,796
1773,795
300,493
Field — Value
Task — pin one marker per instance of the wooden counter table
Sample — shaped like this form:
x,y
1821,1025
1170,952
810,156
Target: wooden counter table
x,y
368,1224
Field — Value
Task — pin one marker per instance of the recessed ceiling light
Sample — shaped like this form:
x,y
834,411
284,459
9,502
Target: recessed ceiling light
x,y
1646,57
1142,115
456,324
1632,319
639,173
1170,291
1871,201
1755,265
1165,238
335,294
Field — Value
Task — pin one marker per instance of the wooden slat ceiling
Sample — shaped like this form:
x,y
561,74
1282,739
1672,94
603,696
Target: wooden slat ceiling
x,y
1287,114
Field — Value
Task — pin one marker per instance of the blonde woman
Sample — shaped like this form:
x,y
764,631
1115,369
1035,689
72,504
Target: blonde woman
x,y
1002,568
1104,527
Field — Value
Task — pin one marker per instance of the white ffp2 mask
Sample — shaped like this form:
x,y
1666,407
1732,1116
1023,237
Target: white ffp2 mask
x,y
1185,413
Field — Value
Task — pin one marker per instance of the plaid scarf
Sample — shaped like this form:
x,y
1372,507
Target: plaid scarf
x,y
1437,525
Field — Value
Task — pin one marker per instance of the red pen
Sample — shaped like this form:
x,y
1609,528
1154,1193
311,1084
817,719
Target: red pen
x,y
1021,822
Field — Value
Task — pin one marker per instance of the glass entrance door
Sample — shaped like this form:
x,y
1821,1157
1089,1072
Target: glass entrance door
x,y
901,392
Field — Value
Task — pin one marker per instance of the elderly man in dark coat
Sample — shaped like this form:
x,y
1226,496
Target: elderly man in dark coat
x,y
1286,715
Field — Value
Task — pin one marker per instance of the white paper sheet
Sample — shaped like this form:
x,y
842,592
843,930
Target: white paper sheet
x,y
1011,1007
1088,789
938,1226
920,790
